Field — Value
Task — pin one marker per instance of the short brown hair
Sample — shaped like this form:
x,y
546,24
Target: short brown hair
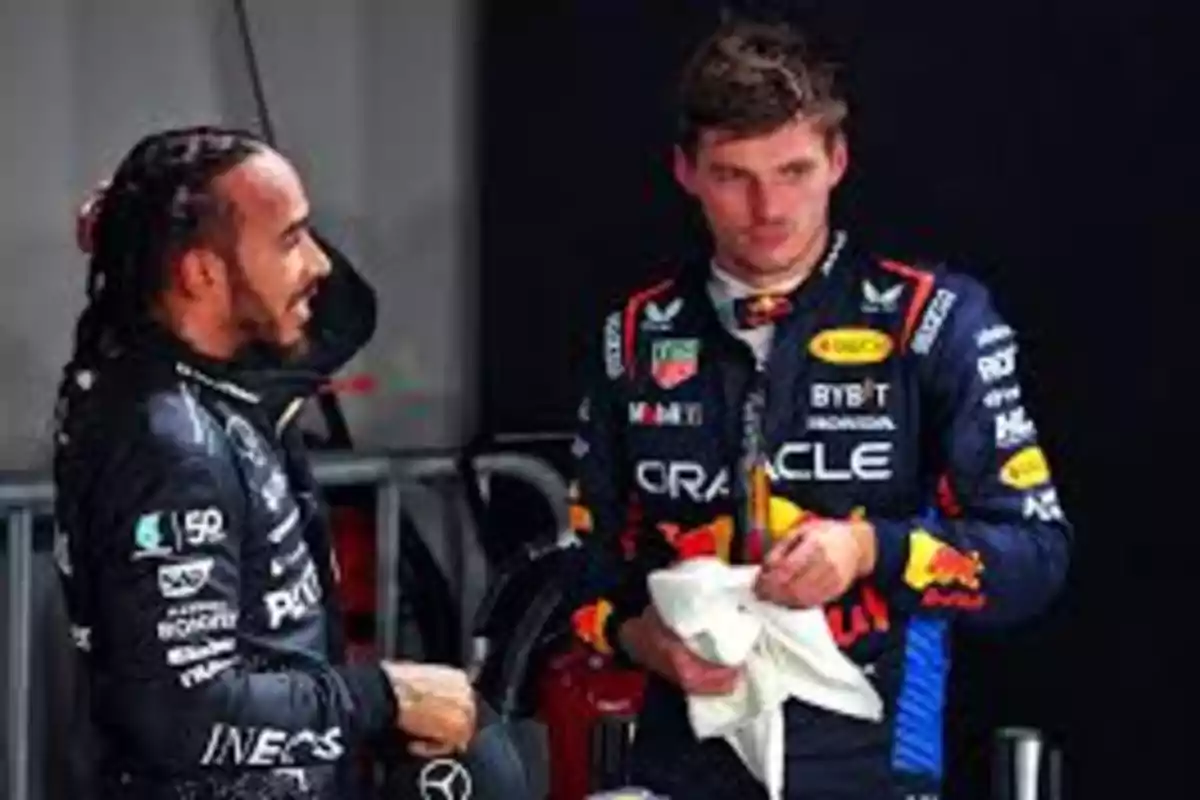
x,y
750,78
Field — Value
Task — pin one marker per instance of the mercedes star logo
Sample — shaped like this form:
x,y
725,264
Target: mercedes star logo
x,y
444,779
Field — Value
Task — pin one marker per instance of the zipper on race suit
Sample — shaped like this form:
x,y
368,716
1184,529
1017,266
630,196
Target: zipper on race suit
x,y
754,482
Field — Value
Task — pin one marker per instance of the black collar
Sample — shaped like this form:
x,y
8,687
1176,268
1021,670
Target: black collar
x,y
245,378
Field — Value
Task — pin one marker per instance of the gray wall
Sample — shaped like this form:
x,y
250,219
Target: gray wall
x,y
368,97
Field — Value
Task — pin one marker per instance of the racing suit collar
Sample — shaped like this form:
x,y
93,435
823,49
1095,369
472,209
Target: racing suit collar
x,y
244,378
722,288
735,287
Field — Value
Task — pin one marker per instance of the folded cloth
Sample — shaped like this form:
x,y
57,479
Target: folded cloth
x,y
783,653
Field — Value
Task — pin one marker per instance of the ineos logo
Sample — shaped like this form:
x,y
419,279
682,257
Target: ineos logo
x,y
444,779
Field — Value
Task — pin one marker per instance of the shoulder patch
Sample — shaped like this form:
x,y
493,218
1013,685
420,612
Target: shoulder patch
x,y
179,422
936,312
614,358
658,311
922,281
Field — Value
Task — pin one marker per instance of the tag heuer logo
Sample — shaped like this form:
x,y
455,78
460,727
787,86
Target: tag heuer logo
x,y
673,361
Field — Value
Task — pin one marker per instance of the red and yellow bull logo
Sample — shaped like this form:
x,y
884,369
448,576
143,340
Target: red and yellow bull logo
x,y
715,537
588,623
767,303
1026,469
932,562
848,346
782,516
711,539
579,515
581,518
767,308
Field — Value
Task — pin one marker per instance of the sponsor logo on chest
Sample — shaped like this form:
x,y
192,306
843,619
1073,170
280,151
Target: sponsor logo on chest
x,y
851,346
673,414
674,361
804,462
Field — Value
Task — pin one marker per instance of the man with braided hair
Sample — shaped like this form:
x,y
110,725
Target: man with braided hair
x,y
195,555
877,403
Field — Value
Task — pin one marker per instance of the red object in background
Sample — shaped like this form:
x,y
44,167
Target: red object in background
x,y
354,544
578,689
363,383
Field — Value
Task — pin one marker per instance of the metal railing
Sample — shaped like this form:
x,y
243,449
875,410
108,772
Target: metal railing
x,y
1018,772
20,601
26,496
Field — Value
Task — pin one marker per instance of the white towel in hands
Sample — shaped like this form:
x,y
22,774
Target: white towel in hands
x,y
783,653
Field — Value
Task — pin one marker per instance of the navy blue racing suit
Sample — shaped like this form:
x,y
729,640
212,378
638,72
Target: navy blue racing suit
x,y
891,392
198,570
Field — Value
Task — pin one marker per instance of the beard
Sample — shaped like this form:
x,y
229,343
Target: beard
x,y
261,329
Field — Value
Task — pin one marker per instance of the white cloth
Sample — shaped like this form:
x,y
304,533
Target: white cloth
x,y
783,653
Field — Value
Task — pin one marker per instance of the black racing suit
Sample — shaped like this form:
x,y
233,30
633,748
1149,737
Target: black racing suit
x,y
890,391
198,570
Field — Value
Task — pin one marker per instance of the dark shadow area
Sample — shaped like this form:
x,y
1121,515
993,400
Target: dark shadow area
x,y
1039,144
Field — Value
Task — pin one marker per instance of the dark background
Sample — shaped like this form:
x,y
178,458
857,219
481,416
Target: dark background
x,y
1048,146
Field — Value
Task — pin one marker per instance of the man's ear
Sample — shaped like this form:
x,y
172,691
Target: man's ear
x,y
839,158
684,170
199,271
